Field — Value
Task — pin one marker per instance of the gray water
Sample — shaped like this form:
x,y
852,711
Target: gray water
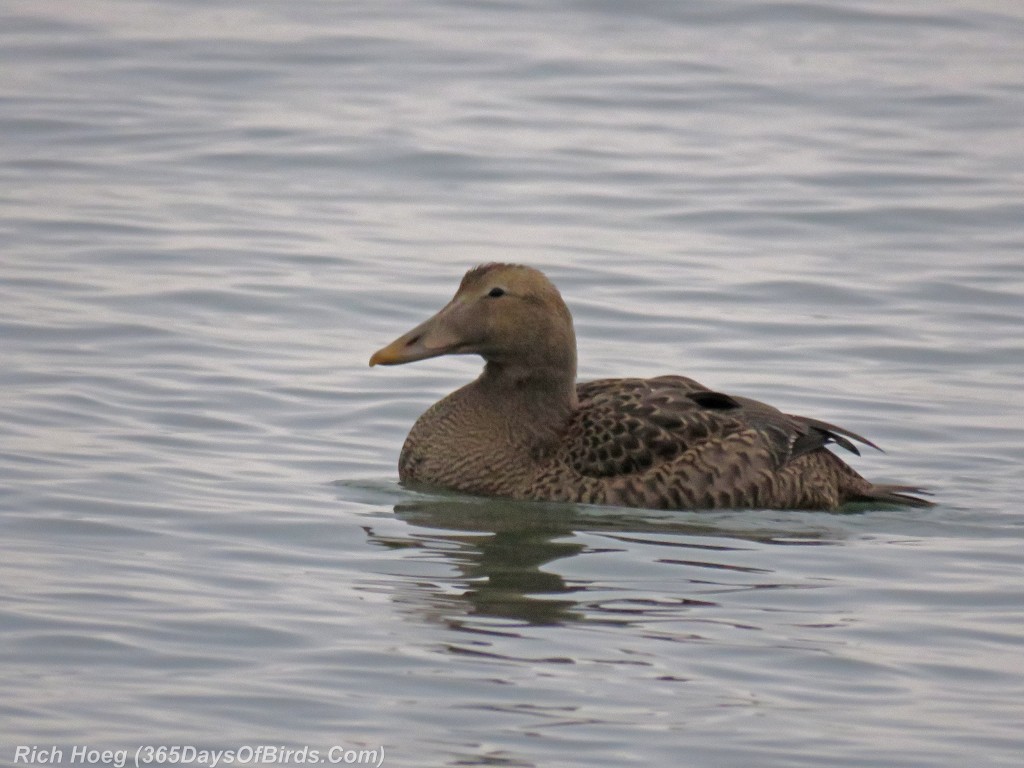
x,y
211,214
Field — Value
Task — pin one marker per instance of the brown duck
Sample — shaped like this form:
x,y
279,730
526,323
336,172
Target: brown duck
x,y
526,430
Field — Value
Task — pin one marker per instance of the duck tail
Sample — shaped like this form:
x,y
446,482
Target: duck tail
x,y
903,495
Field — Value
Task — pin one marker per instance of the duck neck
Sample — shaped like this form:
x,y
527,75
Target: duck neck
x,y
537,396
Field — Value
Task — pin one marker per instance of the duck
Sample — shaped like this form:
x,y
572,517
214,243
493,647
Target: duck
x,y
525,429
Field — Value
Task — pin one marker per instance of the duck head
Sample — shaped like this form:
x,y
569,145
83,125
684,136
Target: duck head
x,y
511,315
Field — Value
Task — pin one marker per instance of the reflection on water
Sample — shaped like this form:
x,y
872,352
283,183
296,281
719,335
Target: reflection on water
x,y
499,549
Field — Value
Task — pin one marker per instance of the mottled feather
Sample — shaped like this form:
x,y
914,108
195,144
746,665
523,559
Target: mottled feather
x,y
525,429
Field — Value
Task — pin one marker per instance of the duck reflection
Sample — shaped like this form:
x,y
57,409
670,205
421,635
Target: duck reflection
x,y
500,548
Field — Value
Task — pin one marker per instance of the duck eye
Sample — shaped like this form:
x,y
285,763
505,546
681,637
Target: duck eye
x,y
496,292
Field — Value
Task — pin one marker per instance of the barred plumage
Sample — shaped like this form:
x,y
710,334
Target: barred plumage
x,y
526,430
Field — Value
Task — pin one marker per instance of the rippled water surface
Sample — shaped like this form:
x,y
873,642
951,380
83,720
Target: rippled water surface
x,y
213,212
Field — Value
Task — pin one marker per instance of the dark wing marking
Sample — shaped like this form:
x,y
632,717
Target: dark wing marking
x,y
628,425
804,434
837,435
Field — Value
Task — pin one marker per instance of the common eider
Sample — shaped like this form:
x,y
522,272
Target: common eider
x,y
525,429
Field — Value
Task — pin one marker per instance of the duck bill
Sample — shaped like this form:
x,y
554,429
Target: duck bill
x,y
433,338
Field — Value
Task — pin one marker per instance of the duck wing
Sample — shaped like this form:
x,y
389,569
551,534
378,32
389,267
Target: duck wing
x,y
627,426
801,433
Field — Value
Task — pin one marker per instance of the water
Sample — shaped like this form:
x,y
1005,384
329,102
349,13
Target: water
x,y
212,213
